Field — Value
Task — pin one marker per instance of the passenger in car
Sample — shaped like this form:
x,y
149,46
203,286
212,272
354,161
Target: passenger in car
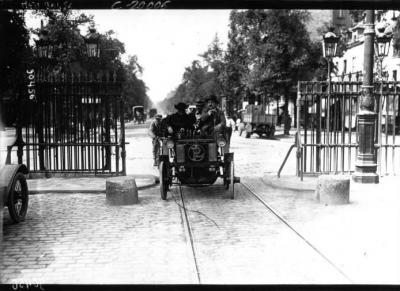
x,y
180,120
213,121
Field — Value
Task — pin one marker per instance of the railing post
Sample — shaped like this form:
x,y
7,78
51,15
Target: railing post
x,y
366,166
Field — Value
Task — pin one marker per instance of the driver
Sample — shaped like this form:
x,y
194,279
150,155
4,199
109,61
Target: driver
x,y
180,120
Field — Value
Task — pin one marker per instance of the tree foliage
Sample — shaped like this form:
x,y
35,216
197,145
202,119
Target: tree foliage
x,y
268,51
15,53
66,31
14,50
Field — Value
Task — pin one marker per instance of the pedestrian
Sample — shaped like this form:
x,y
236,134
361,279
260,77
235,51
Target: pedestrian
x,y
238,121
230,126
156,132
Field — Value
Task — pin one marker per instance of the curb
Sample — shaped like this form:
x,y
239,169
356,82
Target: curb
x,y
153,183
292,183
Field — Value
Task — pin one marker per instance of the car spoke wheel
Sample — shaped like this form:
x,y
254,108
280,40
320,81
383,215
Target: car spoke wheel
x,y
163,180
18,198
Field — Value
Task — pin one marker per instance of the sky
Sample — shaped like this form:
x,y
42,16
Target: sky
x,y
165,41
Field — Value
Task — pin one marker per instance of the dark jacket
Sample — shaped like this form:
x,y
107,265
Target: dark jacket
x,y
177,121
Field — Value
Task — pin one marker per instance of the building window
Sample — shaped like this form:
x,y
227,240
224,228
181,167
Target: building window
x,y
344,66
341,13
394,75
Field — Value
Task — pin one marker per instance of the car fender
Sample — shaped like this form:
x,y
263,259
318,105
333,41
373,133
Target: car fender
x,y
7,174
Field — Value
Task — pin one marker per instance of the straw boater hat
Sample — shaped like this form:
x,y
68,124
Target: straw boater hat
x,y
181,106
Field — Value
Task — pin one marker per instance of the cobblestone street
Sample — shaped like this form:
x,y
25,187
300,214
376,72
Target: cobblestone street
x,y
77,238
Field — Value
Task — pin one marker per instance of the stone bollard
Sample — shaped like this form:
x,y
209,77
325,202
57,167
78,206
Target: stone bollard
x,y
121,190
333,189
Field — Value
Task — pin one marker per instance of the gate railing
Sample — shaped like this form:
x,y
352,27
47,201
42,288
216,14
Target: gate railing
x,y
75,125
327,126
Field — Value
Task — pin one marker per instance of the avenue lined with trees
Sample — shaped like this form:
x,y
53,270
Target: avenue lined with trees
x,y
268,51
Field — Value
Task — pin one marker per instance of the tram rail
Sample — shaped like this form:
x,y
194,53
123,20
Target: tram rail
x,y
179,195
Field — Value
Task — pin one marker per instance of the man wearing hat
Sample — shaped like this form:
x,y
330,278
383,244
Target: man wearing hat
x,y
180,120
156,132
213,119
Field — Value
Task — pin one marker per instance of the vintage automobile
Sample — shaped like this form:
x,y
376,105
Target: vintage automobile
x,y
14,191
139,115
193,160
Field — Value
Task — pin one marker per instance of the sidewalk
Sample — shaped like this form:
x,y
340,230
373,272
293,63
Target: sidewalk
x,y
361,238
82,185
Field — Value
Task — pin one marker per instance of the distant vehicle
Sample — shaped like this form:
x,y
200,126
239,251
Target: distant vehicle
x,y
152,112
138,114
255,119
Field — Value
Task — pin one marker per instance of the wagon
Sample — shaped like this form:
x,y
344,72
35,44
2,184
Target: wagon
x,y
14,191
194,160
256,120
139,115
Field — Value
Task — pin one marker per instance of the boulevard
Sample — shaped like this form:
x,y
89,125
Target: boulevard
x,y
76,238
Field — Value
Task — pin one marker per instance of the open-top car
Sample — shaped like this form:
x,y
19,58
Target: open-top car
x,y
194,160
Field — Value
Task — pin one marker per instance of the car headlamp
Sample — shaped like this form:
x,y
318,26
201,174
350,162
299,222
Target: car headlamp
x,y
170,144
221,142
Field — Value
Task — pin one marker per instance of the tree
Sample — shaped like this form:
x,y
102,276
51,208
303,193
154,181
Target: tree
x,y
236,61
69,53
134,90
278,47
15,55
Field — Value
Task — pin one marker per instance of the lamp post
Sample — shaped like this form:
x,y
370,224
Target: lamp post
x,y
44,52
329,50
92,41
365,171
382,45
44,47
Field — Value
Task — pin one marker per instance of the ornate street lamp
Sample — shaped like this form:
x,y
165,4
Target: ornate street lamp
x,y
44,47
92,41
329,44
382,45
329,49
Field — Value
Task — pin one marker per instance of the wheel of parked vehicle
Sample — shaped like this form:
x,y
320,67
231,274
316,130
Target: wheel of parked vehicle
x,y
163,180
18,198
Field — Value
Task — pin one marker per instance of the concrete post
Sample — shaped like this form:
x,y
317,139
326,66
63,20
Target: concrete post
x,y
366,165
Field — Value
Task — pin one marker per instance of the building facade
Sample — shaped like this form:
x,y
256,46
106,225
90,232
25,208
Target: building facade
x,y
352,61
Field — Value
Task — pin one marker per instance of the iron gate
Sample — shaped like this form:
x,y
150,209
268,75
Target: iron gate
x,y
75,125
327,126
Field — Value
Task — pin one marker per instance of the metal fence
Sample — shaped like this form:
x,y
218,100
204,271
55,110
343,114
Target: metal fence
x,y
327,126
75,125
